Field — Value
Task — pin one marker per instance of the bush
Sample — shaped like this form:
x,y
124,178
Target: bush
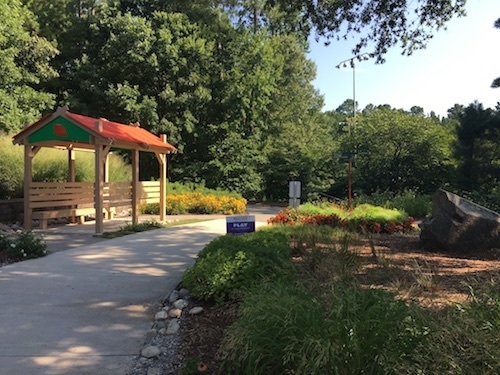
x,y
363,218
191,187
198,203
284,329
23,245
232,262
414,204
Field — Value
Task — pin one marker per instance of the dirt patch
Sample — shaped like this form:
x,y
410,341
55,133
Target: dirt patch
x,y
397,263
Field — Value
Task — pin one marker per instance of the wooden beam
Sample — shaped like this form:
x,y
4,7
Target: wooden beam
x,y
71,175
135,186
106,168
99,187
28,179
71,166
34,150
162,159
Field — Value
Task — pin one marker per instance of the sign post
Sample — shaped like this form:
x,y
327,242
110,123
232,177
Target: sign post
x,y
294,194
240,224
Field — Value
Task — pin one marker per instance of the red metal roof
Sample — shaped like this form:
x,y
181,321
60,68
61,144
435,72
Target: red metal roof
x,y
119,132
115,131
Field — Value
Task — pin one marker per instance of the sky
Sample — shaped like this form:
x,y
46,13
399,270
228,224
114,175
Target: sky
x,y
457,67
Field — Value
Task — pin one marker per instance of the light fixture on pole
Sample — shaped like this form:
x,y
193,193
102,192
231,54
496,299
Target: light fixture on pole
x,y
351,61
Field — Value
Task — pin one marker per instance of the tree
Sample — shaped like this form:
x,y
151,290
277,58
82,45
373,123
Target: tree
x,y
380,24
477,148
395,150
24,58
417,111
301,142
348,107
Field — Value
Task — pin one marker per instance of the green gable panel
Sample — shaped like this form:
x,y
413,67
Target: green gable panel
x,y
60,129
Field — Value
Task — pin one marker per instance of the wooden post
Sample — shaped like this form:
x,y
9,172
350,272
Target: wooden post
x,y
162,158
28,178
106,168
71,165
71,175
135,186
99,187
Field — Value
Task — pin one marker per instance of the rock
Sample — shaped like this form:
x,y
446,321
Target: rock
x,y
183,293
150,351
161,315
180,304
155,371
173,327
175,313
196,310
174,296
159,325
162,331
459,225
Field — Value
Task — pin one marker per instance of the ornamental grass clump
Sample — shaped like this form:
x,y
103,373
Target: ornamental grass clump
x,y
231,263
283,328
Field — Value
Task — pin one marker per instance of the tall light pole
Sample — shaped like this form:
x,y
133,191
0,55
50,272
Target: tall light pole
x,y
352,64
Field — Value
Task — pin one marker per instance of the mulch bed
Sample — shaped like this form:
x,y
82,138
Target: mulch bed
x,y
397,264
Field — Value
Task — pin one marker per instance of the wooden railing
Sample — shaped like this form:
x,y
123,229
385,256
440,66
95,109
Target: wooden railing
x,y
47,195
49,200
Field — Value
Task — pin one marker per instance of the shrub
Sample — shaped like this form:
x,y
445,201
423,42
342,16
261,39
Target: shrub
x,y
23,245
284,329
191,187
409,201
11,169
232,262
198,203
363,218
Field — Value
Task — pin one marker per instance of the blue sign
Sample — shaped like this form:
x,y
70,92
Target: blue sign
x,y
240,224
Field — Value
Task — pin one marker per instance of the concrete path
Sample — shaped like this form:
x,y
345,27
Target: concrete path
x,y
86,310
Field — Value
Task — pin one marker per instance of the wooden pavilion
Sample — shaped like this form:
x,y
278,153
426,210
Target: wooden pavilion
x,y
65,130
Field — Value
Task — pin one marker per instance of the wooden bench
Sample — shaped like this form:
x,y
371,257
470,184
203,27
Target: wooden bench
x,y
79,213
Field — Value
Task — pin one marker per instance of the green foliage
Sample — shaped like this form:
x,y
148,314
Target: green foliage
x,y
399,151
192,187
231,86
324,323
231,263
50,165
11,169
364,217
414,204
374,26
477,148
24,58
283,328
23,245
463,339
324,208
